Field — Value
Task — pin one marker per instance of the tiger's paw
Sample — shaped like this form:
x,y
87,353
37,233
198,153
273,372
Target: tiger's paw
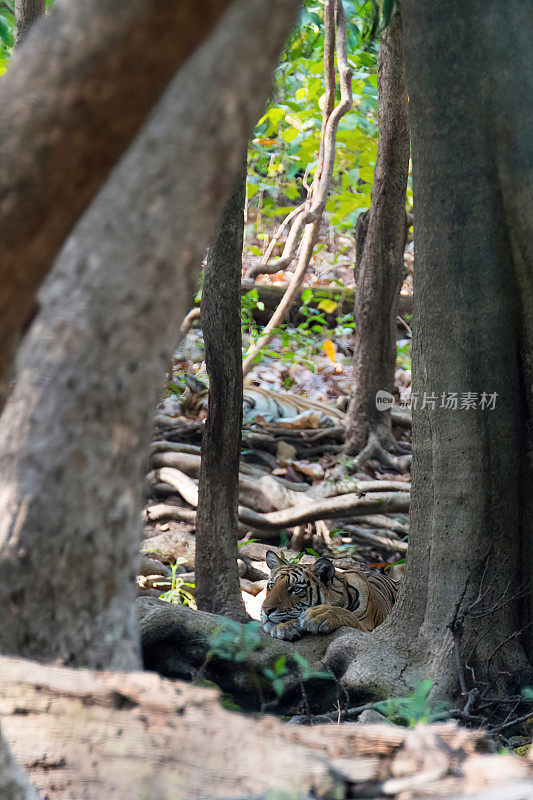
x,y
322,619
289,631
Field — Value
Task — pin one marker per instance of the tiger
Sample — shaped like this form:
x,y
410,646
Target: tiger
x,y
269,405
317,598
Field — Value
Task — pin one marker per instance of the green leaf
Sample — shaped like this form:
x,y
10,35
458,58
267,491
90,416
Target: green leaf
x,y
388,7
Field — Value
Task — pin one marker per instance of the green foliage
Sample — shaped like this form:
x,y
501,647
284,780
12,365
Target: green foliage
x,y
277,674
298,557
232,641
286,142
178,593
403,353
177,385
7,30
284,666
306,671
301,343
388,8
416,708
249,303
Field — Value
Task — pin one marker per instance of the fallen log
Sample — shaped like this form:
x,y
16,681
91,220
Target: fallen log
x,y
91,735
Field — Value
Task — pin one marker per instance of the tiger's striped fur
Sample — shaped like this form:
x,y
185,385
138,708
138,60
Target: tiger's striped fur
x,y
319,599
268,404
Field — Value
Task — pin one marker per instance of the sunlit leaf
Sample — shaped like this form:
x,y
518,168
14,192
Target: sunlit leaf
x,y
329,306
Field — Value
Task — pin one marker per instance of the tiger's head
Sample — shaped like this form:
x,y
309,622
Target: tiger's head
x,y
292,588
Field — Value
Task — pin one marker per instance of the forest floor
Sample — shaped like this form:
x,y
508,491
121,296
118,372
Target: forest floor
x,y
292,441
311,359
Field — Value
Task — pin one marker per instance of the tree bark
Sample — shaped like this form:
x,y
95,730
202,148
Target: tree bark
x,y
217,579
471,521
381,236
26,12
13,782
72,102
75,433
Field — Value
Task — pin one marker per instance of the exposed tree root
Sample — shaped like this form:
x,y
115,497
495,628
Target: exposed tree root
x,y
330,508
375,450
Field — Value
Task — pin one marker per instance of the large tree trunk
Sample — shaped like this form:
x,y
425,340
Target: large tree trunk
x,y
26,12
381,236
72,101
13,782
217,579
74,435
471,520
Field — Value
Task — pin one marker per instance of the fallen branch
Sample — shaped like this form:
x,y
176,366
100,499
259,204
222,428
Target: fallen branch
x,y
331,508
188,321
184,485
362,487
385,542
381,521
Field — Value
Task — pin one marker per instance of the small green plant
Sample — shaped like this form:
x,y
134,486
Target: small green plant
x,y
249,303
403,353
297,558
277,674
235,642
177,386
416,708
178,593
282,669
307,672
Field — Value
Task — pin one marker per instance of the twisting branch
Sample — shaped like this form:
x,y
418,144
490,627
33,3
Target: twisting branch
x,y
306,221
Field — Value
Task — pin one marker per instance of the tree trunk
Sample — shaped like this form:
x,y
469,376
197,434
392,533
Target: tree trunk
x,y
381,236
74,435
217,580
72,102
471,516
13,782
26,12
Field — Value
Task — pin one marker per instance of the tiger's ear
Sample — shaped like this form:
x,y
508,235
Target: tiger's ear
x,y
195,386
273,560
325,570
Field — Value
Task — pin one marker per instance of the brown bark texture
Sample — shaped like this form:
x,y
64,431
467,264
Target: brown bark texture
x,y
72,101
74,436
471,535
217,580
89,736
26,12
381,236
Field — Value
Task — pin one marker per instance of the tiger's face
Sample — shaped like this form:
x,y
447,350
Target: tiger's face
x,y
291,589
